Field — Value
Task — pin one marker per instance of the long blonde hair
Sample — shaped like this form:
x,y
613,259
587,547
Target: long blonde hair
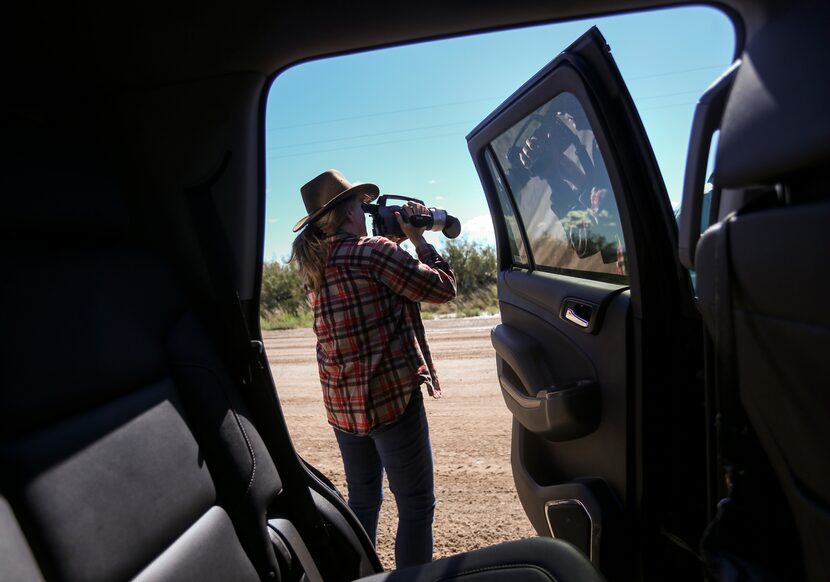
x,y
310,249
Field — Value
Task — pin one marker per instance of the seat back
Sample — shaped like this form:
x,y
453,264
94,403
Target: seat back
x,y
125,450
779,285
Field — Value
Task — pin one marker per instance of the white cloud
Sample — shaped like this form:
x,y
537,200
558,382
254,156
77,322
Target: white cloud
x,y
439,197
433,238
479,228
273,220
431,182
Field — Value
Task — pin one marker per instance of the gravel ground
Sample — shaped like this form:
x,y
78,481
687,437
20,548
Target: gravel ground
x,y
469,426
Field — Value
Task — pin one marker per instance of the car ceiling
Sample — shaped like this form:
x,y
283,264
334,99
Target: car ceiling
x,y
161,43
203,69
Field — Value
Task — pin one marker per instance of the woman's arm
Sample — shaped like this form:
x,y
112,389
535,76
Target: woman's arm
x,y
429,279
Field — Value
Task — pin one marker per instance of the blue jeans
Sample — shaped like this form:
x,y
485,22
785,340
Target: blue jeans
x,y
402,448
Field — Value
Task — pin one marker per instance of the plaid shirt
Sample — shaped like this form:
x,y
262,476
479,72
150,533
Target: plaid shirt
x,y
371,346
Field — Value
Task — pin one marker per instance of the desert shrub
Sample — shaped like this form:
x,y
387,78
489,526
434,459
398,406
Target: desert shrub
x,y
282,320
283,302
474,264
481,301
282,289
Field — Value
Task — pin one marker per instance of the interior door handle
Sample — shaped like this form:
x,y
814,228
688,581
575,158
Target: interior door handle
x,y
586,315
571,316
579,313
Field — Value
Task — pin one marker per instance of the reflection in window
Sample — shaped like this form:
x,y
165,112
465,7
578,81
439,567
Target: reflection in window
x,y
514,236
557,175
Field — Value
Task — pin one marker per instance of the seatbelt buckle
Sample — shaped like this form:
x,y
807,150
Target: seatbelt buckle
x,y
257,353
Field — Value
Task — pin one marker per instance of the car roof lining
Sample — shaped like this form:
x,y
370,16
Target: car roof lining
x,y
189,41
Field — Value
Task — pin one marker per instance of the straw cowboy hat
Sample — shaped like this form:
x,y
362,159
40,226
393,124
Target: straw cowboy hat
x,y
326,190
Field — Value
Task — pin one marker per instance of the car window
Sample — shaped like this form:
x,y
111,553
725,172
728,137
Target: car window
x,y
709,204
514,236
706,218
556,175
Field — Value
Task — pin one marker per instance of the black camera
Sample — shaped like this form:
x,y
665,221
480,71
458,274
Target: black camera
x,y
385,224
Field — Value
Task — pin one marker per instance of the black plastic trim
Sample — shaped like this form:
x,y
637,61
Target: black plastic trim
x,y
555,412
708,114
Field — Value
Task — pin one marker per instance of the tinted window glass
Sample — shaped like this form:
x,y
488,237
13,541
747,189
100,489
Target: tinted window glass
x,y
708,207
708,189
557,176
514,236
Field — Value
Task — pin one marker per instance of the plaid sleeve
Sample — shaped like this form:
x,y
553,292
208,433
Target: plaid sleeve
x,y
429,279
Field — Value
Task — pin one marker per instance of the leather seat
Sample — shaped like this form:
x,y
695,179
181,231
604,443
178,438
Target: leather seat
x,y
532,560
124,448
777,344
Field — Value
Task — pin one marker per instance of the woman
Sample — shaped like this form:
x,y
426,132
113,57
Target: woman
x,y
372,352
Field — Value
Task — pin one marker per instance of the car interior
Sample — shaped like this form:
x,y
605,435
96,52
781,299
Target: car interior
x,y
662,430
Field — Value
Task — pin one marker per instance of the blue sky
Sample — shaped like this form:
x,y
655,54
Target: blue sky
x,y
398,117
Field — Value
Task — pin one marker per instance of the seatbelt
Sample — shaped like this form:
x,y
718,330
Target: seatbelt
x,y
731,421
250,367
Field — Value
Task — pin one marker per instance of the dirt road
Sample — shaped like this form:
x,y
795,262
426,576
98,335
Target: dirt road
x,y
470,428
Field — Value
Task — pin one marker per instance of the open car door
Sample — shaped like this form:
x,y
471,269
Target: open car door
x,y
597,352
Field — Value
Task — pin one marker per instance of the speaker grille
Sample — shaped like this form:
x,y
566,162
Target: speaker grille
x,y
570,522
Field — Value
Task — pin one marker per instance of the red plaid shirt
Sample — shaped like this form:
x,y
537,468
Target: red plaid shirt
x,y
371,346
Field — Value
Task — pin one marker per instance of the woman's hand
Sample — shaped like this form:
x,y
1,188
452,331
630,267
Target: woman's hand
x,y
413,233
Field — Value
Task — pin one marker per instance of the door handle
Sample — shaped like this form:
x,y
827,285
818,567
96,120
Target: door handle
x,y
571,316
586,315
579,313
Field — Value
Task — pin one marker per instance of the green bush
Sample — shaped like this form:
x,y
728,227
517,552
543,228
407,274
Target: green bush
x,y
282,289
281,320
283,302
474,264
482,301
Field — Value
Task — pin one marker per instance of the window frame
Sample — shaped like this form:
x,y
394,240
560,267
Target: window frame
x,y
531,97
489,154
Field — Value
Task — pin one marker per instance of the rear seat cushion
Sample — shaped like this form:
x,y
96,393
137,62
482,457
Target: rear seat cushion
x,y
531,560
16,557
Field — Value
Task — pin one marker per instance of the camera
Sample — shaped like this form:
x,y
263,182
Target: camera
x,y
385,224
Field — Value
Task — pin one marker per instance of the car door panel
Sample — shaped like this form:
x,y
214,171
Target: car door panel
x,y
566,362
561,356
548,294
556,473
588,283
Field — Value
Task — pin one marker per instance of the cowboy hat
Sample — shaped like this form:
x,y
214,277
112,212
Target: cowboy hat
x,y
326,190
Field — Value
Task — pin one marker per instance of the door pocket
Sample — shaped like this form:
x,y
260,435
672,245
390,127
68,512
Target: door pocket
x,y
554,412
